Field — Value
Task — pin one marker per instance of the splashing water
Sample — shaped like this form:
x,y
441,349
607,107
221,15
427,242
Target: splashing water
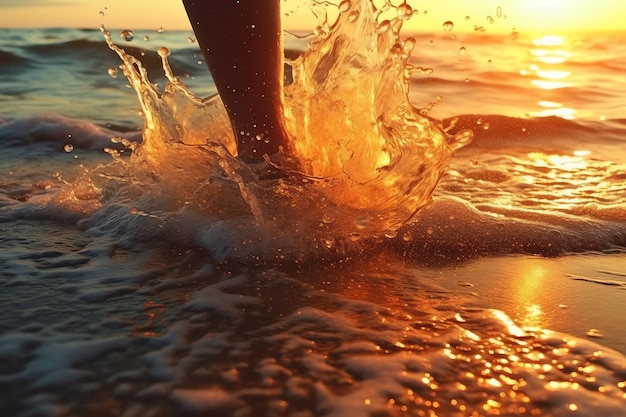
x,y
367,159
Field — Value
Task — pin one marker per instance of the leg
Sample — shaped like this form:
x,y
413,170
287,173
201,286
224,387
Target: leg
x,y
241,41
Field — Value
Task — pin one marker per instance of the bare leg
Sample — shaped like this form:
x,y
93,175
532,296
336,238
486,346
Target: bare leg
x,y
241,41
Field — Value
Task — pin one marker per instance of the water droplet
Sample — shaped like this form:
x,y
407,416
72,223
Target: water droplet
x,y
486,126
191,39
467,18
101,13
127,35
448,26
160,30
112,72
404,11
462,50
68,148
163,52
430,231
499,12
146,38
383,26
344,6
490,20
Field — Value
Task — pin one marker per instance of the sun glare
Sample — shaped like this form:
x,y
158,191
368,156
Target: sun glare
x,y
550,71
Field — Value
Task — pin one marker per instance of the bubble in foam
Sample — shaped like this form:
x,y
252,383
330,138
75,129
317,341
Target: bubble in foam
x,y
127,35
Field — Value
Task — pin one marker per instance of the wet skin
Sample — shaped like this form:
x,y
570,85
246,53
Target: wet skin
x,y
241,41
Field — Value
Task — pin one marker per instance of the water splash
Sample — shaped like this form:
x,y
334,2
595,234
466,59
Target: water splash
x,y
367,159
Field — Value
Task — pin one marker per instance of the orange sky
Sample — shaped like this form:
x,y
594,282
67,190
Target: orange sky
x,y
546,16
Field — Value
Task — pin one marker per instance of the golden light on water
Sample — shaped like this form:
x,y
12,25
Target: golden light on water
x,y
549,40
550,75
529,281
562,162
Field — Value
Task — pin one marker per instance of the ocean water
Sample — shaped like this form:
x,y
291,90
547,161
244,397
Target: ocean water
x,y
167,279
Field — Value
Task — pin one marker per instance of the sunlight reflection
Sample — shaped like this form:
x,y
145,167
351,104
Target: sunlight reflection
x,y
553,75
549,40
527,292
553,108
563,162
549,56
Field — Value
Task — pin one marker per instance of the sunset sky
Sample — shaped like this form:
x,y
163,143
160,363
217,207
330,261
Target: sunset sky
x,y
548,16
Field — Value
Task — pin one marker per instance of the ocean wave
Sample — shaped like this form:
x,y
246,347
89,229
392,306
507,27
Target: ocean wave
x,y
497,131
10,62
60,129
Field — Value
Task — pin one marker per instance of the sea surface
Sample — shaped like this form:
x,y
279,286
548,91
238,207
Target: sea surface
x,y
504,296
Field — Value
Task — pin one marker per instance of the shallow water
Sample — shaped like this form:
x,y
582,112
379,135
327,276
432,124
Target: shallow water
x,y
91,327
122,296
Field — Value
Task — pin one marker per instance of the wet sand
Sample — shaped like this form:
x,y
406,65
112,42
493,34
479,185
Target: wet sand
x,y
581,294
